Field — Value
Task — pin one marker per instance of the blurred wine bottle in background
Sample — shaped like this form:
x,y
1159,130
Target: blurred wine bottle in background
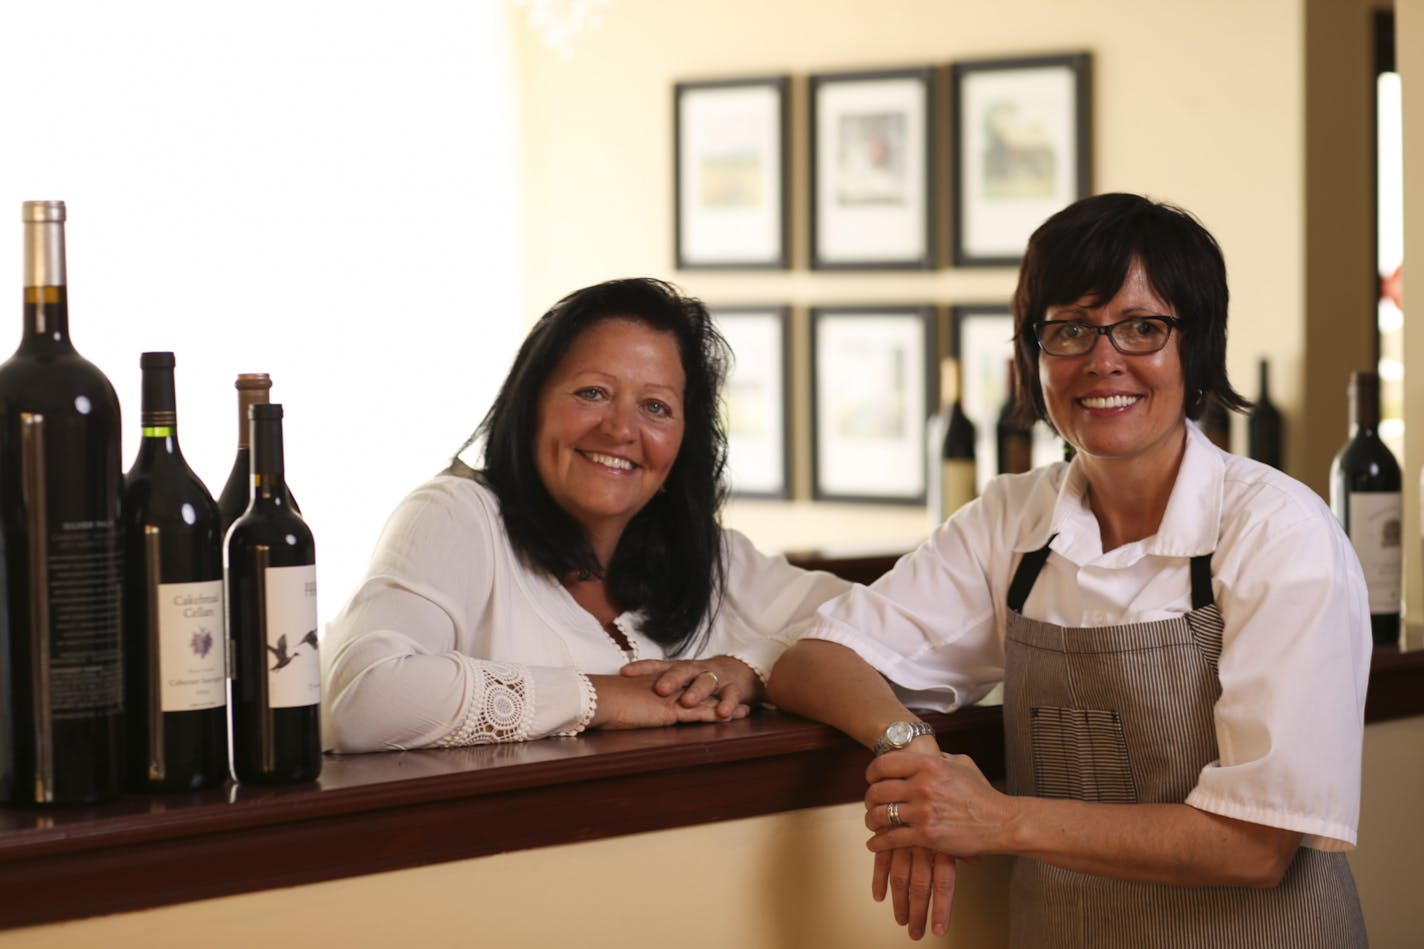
x,y
61,477
270,562
1014,439
1365,494
1215,423
253,388
955,448
174,647
1264,427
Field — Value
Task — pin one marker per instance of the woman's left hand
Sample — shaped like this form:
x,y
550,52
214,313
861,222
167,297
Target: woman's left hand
x,y
943,802
730,680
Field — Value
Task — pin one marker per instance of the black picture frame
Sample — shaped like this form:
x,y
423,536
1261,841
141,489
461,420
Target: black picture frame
x,y
731,179
1021,149
756,399
873,384
873,183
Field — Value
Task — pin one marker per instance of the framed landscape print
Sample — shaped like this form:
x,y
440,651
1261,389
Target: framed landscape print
x,y
871,395
872,169
1021,150
757,399
730,173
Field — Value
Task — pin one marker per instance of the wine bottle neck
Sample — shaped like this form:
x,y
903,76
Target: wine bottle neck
x,y
46,297
1364,403
252,389
268,468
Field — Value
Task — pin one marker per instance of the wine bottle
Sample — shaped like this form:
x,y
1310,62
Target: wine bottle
x,y
957,479
1014,438
1264,426
1216,423
270,562
253,388
174,670
1365,486
61,477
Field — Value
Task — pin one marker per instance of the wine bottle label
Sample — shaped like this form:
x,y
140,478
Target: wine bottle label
x,y
1375,533
190,633
293,669
957,483
86,670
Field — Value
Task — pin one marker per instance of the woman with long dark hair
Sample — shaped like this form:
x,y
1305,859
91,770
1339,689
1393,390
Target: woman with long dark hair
x,y
579,576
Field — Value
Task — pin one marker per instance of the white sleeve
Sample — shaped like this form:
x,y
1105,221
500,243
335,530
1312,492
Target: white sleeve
x,y
1294,667
767,604
394,677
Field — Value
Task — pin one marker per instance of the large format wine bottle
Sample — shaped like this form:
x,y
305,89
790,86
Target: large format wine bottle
x,y
1014,439
1264,427
957,479
253,388
174,670
61,663
1365,486
270,560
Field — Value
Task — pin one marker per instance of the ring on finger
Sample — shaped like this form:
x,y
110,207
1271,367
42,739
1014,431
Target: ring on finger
x,y
892,811
716,682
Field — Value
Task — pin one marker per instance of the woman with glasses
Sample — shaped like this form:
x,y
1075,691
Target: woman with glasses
x,y
1182,634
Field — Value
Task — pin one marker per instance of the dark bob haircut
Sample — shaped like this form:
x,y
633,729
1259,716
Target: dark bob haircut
x,y
668,562
1086,250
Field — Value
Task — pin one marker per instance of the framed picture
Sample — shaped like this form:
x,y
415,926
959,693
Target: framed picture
x,y
1022,149
872,170
871,395
730,173
982,339
756,399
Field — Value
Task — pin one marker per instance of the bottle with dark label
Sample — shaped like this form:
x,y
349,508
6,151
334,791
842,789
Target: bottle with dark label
x,y
1216,423
957,479
174,648
253,388
1365,494
1014,438
1264,427
61,477
270,562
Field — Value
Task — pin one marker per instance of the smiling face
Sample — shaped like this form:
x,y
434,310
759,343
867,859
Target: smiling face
x,y
1111,405
610,425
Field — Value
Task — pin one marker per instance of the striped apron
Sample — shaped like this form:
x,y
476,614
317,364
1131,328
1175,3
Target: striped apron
x,y
1123,714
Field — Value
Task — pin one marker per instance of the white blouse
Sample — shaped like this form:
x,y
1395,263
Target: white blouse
x,y
1295,653
452,640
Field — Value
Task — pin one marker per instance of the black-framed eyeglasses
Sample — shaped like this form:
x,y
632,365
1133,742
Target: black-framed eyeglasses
x,y
1134,336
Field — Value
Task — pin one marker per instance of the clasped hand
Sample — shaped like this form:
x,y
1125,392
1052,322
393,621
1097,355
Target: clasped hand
x,y
947,810
653,692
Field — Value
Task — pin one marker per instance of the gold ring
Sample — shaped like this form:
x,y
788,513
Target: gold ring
x,y
716,682
892,810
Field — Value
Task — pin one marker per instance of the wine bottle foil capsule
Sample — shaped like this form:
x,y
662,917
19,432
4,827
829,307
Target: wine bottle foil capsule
x,y
44,243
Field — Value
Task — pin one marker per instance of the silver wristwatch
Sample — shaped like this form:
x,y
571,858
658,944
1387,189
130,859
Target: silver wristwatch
x,y
898,735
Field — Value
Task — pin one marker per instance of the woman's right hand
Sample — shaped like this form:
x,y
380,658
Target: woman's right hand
x,y
626,701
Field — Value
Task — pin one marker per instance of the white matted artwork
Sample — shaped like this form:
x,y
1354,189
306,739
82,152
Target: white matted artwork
x,y
730,170
872,183
756,399
982,339
870,399
1021,150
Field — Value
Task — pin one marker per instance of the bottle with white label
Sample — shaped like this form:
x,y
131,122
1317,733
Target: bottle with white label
x,y
270,563
175,677
1365,494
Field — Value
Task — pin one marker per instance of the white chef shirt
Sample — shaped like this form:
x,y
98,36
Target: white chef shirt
x,y
452,640
1295,653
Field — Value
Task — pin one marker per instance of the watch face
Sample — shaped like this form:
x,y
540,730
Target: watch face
x,y
899,734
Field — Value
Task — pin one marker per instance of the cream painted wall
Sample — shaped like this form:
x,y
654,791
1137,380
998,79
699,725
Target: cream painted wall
x,y
1409,50
790,881
1200,104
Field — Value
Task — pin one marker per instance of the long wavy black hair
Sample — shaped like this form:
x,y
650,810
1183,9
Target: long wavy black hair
x,y
1088,248
668,562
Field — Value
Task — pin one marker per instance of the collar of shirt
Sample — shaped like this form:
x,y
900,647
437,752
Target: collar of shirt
x,y
1190,526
